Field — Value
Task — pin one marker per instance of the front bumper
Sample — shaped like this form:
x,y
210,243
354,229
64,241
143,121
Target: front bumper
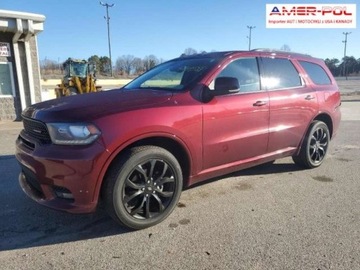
x,y
60,177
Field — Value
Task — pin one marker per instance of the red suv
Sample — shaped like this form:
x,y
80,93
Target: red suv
x,y
186,120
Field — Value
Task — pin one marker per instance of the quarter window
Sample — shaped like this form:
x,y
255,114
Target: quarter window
x,y
279,73
316,73
246,71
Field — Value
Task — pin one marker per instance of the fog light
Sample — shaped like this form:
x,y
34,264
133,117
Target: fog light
x,y
63,193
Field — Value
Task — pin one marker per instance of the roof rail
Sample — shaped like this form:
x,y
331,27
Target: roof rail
x,y
279,51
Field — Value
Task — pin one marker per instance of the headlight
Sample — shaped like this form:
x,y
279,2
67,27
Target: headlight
x,y
73,133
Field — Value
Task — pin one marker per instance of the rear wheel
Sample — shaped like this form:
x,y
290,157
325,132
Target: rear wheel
x,y
314,147
143,187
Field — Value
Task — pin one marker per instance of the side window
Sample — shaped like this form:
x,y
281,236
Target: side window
x,y
246,71
316,73
279,73
6,79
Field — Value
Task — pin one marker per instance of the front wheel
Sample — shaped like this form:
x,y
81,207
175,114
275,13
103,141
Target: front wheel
x,y
143,187
314,147
71,91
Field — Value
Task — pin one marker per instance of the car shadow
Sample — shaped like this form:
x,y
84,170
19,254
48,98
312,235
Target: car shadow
x,y
269,169
24,223
263,169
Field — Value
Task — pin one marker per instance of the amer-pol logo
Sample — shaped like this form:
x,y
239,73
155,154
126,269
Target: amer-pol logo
x,y
311,15
310,10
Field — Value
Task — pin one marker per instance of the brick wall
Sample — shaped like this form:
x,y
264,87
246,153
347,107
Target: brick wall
x,y
10,107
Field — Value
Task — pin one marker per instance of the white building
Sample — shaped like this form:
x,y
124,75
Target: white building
x,y
19,62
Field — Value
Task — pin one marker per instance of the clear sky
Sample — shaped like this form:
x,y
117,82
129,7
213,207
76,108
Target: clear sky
x,y
165,28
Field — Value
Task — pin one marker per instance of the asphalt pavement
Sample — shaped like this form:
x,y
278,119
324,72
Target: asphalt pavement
x,y
269,217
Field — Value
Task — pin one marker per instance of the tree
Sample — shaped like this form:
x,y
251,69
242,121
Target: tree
x,y
189,51
351,64
94,59
149,62
125,63
48,66
358,66
285,48
104,65
138,66
333,65
348,66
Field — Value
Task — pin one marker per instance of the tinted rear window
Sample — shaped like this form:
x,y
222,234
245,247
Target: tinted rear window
x,y
316,73
279,74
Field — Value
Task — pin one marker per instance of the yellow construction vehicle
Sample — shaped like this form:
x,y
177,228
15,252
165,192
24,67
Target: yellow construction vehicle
x,y
79,78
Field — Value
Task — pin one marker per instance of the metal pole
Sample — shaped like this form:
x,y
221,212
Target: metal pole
x,y
345,43
107,18
249,37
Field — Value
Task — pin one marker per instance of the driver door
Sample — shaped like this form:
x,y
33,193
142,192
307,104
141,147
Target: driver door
x,y
236,126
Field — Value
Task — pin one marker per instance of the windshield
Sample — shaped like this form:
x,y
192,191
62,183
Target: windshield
x,y
78,69
174,75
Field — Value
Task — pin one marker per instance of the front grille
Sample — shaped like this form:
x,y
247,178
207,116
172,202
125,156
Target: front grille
x,y
26,143
36,130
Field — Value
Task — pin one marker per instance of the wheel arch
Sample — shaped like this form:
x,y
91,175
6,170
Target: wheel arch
x,y
174,147
314,145
178,149
324,117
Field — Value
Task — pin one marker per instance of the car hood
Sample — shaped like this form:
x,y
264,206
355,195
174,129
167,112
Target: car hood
x,y
94,105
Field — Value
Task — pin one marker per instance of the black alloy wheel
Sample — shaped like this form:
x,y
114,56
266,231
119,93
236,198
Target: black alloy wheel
x,y
149,189
314,147
143,187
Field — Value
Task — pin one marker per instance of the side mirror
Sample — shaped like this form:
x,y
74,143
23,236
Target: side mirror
x,y
226,85
223,86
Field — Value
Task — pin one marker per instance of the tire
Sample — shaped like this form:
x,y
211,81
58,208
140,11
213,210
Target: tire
x,y
314,147
58,92
71,91
143,187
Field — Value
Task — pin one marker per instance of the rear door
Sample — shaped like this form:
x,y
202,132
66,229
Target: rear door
x,y
236,125
293,103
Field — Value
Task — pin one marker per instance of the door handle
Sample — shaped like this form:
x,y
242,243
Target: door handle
x,y
259,103
309,97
